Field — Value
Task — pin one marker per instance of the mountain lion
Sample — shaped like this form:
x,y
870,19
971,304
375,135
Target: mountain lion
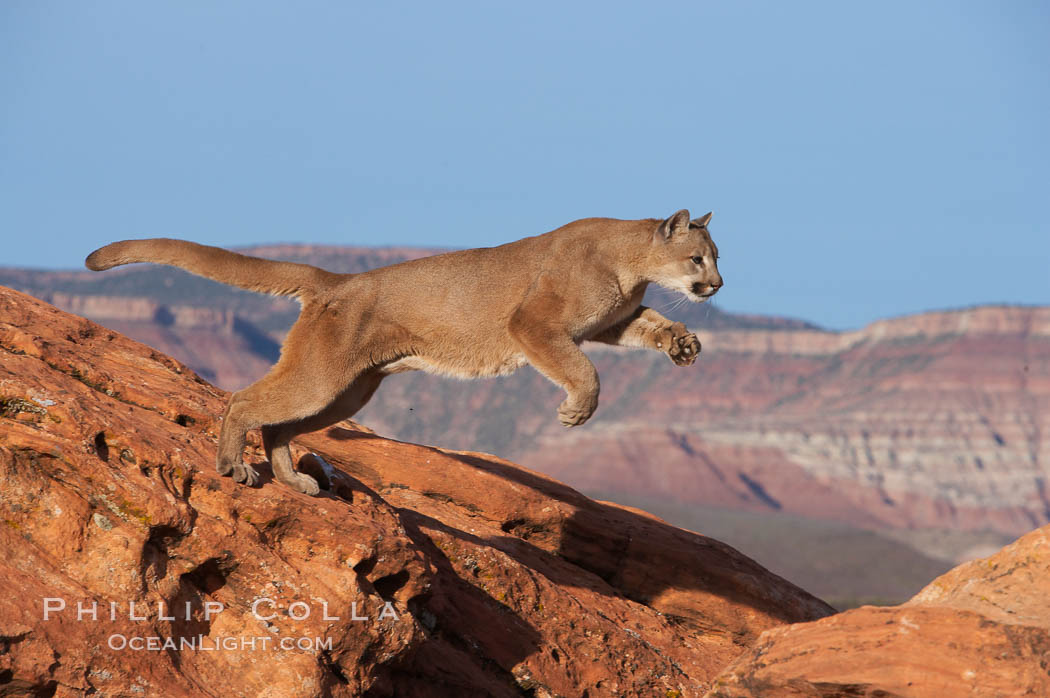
x,y
467,314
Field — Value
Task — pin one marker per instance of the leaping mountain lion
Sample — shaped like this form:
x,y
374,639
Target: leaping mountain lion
x,y
472,313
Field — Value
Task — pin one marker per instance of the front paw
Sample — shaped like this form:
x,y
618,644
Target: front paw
x,y
575,412
683,347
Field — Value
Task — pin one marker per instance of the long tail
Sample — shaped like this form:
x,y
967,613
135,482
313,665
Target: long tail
x,y
252,273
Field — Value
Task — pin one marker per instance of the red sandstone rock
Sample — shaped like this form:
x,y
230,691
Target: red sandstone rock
x,y
1012,586
502,579
982,629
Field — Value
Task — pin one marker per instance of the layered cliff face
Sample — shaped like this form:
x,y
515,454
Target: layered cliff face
x,y
419,571
936,421
931,421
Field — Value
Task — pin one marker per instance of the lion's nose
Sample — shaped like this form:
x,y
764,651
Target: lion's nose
x,y
705,289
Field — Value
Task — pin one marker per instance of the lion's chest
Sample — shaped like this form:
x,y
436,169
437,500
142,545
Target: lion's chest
x,y
617,309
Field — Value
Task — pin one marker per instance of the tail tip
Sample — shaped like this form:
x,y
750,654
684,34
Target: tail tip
x,y
95,262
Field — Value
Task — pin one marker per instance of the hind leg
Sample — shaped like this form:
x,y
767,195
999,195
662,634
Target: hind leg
x,y
276,437
296,388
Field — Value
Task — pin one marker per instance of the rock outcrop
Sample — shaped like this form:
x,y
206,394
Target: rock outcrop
x,y
131,568
982,629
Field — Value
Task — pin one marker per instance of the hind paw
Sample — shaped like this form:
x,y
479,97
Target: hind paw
x,y
245,474
305,484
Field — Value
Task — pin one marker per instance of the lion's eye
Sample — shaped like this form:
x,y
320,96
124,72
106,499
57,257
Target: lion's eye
x,y
697,260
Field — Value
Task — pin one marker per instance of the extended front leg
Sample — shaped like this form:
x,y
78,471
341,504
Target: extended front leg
x,y
554,354
651,330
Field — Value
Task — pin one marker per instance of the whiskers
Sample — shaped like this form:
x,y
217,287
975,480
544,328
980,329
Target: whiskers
x,y
677,300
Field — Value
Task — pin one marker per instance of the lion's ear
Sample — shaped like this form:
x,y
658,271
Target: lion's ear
x,y
702,221
675,224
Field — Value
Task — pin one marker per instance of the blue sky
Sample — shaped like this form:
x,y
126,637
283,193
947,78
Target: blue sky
x,y
861,160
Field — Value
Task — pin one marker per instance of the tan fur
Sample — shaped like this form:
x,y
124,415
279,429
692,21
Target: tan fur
x,y
473,313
